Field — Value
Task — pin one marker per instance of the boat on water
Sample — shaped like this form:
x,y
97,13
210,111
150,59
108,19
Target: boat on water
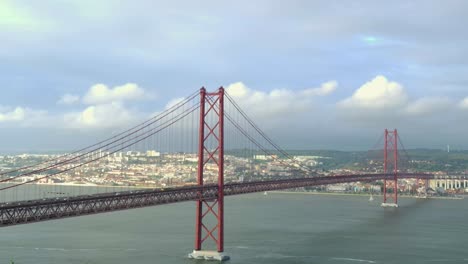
x,y
371,198
265,193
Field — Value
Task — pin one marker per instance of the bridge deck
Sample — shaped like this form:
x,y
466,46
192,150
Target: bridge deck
x,y
24,212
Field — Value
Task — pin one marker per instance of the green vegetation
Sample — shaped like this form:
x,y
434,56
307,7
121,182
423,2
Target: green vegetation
x,y
439,160
415,159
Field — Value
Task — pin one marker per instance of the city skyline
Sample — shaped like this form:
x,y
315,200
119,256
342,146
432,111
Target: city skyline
x,y
337,72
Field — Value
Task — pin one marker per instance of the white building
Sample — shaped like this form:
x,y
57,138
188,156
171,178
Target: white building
x,y
153,153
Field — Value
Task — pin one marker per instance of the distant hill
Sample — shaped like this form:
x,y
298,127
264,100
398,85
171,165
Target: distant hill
x,y
416,159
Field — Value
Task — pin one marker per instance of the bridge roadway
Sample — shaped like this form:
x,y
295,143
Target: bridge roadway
x,y
24,212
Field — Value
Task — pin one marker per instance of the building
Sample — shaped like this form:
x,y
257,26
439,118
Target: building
x,y
454,183
153,153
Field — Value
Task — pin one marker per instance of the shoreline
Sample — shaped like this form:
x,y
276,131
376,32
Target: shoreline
x,y
364,195
92,185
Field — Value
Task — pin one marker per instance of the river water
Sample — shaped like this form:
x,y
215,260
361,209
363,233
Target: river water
x,y
273,229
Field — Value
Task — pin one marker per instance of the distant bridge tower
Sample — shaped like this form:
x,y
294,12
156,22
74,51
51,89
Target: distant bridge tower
x,y
210,151
391,167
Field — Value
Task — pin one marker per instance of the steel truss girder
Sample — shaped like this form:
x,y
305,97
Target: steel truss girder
x,y
25,212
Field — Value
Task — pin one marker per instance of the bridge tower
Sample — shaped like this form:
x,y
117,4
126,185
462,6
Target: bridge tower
x,y
390,167
209,221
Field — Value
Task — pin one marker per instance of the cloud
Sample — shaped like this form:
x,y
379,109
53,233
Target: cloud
x,y
325,89
14,16
106,107
464,103
174,101
23,116
18,114
428,105
382,102
68,99
293,43
277,102
102,94
379,93
100,116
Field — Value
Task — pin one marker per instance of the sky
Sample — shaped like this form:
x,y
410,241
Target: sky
x,y
312,74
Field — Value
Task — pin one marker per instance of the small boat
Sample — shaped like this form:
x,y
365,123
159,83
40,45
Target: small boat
x,y
265,193
371,198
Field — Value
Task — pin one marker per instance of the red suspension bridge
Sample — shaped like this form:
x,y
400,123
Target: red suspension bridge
x,y
211,149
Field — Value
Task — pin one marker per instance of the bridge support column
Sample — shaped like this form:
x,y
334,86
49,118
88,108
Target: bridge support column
x,y
391,166
210,151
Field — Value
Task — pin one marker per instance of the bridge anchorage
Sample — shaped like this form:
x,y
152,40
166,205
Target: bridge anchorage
x,y
210,152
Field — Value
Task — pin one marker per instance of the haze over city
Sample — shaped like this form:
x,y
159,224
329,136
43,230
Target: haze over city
x,y
337,71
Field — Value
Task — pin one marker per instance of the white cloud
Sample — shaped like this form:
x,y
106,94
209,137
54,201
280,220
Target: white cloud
x,y
17,16
277,102
100,116
17,114
464,103
69,99
381,101
102,94
428,105
25,117
325,89
174,101
106,108
379,93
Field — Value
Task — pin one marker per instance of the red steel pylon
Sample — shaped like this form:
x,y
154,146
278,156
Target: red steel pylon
x,y
391,163
211,152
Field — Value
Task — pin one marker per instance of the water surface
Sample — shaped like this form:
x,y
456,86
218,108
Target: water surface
x,y
278,228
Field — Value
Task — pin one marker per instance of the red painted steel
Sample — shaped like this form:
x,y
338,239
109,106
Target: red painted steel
x,y
395,169
26,212
385,165
211,108
221,173
391,161
201,132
